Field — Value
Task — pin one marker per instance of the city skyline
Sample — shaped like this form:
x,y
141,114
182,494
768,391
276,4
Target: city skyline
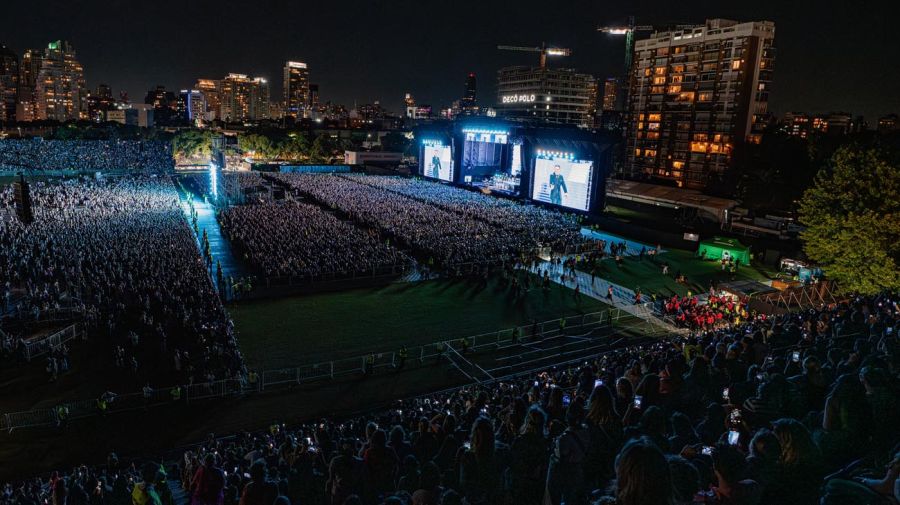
x,y
364,52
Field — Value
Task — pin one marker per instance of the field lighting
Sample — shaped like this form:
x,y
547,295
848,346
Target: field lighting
x,y
213,179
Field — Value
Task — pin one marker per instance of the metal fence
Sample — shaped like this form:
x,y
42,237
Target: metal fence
x,y
46,345
285,378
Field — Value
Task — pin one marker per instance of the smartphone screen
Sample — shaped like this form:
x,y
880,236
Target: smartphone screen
x,y
796,356
566,400
707,449
598,383
637,401
725,394
734,437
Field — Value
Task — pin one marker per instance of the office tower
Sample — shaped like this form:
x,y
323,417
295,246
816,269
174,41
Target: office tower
x,y
295,90
60,84
550,95
695,93
212,92
29,67
9,84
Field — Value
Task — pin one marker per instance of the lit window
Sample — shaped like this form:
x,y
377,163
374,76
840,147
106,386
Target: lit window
x,y
736,64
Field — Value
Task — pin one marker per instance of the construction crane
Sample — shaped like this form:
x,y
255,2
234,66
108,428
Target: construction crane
x,y
543,50
628,31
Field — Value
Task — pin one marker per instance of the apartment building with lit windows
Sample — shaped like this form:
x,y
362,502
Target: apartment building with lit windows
x,y
694,95
244,98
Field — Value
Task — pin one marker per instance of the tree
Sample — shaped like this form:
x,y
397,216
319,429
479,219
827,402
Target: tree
x,y
257,146
852,215
191,143
321,150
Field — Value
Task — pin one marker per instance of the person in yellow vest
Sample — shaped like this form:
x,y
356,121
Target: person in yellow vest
x,y
253,379
62,415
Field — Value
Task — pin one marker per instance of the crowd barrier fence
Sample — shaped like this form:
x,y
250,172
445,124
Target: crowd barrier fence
x,y
285,378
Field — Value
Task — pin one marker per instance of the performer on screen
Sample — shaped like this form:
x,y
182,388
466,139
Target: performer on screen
x,y
436,166
557,183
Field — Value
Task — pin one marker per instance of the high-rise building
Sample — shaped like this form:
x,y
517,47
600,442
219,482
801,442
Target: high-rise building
x,y
166,110
468,104
695,93
212,92
313,99
235,97
470,97
550,95
244,98
100,102
9,83
610,92
259,99
60,84
410,103
296,90
195,108
29,67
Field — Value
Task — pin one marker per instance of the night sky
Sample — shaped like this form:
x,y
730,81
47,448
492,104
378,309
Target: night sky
x,y
831,55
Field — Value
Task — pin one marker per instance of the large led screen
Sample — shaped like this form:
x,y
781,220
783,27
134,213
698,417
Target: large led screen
x,y
485,164
562,180
436,161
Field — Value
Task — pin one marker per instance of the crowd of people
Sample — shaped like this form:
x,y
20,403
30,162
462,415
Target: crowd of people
x,y
794,409
539,224
718,310
36,155
432,230
297,239
119,252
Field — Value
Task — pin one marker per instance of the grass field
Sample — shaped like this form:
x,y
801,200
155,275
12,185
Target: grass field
x,y
304,329
647,274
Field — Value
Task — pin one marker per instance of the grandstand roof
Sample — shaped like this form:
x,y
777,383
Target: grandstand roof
x,y
667,196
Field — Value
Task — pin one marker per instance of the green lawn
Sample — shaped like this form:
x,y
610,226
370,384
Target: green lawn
x,y
304,329
647,274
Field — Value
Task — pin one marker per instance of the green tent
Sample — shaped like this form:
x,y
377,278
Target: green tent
x,y
717,247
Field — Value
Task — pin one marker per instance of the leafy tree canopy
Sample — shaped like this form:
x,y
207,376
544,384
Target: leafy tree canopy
x,y
852,214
